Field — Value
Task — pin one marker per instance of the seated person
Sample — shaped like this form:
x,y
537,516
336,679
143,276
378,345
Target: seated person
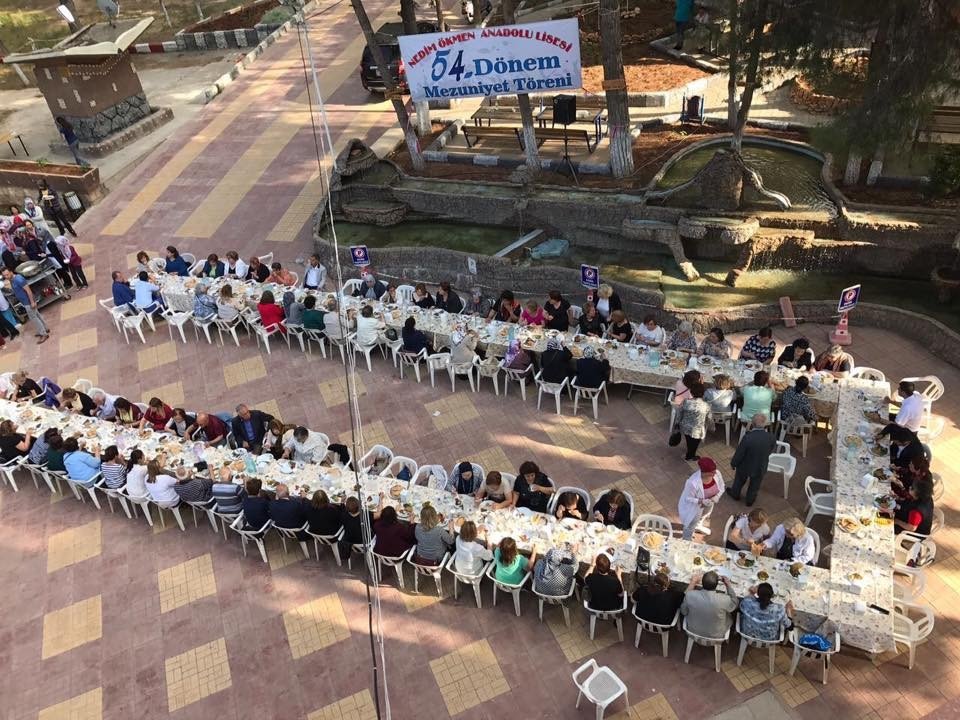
x,y
180,423
463,347
106,406
605,585
257,271
516,357
507,309
433,539
571,505
681,389
656,601
146,295
422,298
463,480
554,573
277,437
175,264
619,328
371,289
592,371
204,306
287,512
607,301
590,323
157,416
748,530
532,314
227,309
74,401
715,345
336,323
904,445
477,304
227,495
557,312
161,486
314,273
393,537
797,355
683,338
213,267
414,340
789,541
209,429
305,446
368,327
312,315
763,619
649,333
722,396
41,447
292,310
128,414
758,397
910,414
143,261
917,469
234,266
249,428
12,443
835,361
495,489
271,314
324,517
708,612
352,521
613,508
256,506
25,388
555,362
55,454
915,514
760,347
190,488
795,406
511,566
123,295
471,554
280,276
532,488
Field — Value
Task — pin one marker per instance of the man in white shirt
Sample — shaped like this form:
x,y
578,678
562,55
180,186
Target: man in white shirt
x,y
306,446
910,415
315,274
105,409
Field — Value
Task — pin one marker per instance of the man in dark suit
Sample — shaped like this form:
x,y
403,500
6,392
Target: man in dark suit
x,y
287,512
750,459
249,427
256,507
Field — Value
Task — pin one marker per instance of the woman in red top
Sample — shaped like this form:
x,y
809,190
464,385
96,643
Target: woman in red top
x,y
271,313
157,416
393,537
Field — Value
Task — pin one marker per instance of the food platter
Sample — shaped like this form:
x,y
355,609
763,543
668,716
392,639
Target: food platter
x,y
744,561
848,524
715,556
651,540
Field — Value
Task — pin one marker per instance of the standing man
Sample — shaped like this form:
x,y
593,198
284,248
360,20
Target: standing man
x,y
52,208
682,16
23,293
750,459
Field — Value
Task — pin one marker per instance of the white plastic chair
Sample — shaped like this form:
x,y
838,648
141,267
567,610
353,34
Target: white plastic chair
x,y
433,571
492,371
204,325
931,389
263,334
203,506
38,473
822,655
662,630
467,369
81,491
411,360
365,350
773,418
615,615
133,323
422,477
175,511
555,498
591,394
139,502
868,373
298,332
601,686
517,376
820,498
405,294
396,562
912,624
816,545
796,427
555,389
726,419
514,590
473,580
576,311
266,259
7,469
914,550
116,314
397,464
373,454
558,600
715,643
653,523
230,327
938,521
82,385
435,362
291,534
769,645
783,462
909,583
111,495
350,287
330,541
188,258
316,336
176,320
255,536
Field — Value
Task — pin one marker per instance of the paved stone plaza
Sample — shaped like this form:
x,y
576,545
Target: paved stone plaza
x,y
106,618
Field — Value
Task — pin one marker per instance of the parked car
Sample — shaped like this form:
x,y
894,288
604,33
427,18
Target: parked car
x,y
372,76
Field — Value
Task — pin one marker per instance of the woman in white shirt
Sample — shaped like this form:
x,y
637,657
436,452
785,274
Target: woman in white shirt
x,y
235,267
160,486
649,333
136,486
470,555
368,327
747,530
495,488
790,541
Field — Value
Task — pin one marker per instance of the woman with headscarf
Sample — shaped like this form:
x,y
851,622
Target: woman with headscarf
x,y
73,260
464,480
463,347
516,358
555,362
9,249
54,252
554,572
32,211
591,371
292,310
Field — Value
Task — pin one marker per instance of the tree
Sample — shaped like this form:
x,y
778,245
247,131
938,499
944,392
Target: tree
x,y
523,99
413,145
618,111
748,20
408,15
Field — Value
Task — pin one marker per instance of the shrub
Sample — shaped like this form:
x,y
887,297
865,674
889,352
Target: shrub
x,y
277,16
945,173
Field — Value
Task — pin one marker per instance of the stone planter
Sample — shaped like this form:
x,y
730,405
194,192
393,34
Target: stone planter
x,y
946,280
19,178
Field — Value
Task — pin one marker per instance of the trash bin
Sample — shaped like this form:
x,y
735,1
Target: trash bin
x,y
74,204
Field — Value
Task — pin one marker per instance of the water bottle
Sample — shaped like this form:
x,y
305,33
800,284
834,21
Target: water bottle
x,y
250,465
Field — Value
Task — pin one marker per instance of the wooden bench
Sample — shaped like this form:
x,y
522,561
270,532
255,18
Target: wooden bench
x,y
478,133
491,113
569,134
589,110
945,120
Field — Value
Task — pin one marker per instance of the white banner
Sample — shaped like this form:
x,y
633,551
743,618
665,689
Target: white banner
x,y
535,57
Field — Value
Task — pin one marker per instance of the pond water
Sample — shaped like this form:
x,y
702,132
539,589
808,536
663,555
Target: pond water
x,y
794,174
478,239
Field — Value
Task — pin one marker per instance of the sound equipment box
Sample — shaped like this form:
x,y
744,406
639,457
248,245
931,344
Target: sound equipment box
x,y
564,109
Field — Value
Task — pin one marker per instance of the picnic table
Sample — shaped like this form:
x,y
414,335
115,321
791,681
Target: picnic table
x,y
9,136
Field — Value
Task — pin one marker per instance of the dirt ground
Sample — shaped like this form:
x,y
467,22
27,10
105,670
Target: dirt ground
x,y
649,74
893,196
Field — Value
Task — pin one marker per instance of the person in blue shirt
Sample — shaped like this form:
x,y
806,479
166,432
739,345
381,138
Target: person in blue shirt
x,y
414,340
82,467
213,267
25,296
70,137
176,265
122,294
682,16
145,295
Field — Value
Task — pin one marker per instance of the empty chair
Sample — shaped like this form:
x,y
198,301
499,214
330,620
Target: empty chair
x,y
350,287
431,476
868,373
912,624
555,389
909,583
517,376
396,466
82,385
405,294
435,362
377,455
715,643
591,394
653,523
820,498
799,651
914,550
662,630
266,259
600,685
784,463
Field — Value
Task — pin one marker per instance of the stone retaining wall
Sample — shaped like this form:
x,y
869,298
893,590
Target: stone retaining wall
x,y
111,120
159,116
236,28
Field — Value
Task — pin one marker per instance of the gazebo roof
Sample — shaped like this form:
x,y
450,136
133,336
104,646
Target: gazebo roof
x,y
89,44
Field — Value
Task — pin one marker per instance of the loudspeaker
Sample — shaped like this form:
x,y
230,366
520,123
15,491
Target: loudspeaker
x,y
564,109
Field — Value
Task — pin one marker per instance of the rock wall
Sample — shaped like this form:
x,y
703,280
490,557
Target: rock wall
x,y
112,119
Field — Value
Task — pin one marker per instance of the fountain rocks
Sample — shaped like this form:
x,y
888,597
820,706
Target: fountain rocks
x,y
725,231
